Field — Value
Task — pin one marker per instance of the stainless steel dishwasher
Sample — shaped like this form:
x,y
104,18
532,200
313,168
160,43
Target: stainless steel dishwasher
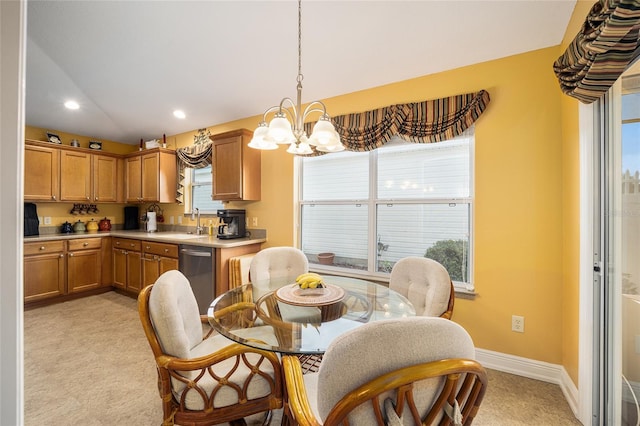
x,y
197,263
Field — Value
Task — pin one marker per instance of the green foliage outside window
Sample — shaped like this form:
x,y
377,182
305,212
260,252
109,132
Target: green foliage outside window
x,y
452,254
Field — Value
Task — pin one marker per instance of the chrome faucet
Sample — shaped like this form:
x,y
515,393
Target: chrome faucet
x,y
199,229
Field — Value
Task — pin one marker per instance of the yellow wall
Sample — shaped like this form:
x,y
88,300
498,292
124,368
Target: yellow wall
x,y
571,211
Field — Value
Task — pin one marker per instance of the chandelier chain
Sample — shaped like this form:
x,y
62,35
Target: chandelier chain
x,y
299,40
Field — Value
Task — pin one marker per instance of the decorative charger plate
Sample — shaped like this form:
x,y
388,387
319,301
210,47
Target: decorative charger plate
x,y
294,295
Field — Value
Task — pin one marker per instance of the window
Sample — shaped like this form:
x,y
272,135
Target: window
x,y
198,190
370,209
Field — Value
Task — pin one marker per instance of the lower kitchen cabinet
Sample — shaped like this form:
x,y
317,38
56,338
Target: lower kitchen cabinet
x,y
157,259
84,264
44,270
55,269
127,264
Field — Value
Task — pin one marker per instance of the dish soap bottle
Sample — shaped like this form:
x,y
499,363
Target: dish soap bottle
x,y
211,228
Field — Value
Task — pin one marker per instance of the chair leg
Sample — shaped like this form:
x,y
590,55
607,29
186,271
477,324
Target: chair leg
x,y
238,422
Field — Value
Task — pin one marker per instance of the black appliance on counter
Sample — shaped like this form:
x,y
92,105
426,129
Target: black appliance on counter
x,y
31,221
197,264
233,224
131,217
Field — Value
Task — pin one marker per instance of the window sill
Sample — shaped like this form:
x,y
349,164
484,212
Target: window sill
x,y
460,291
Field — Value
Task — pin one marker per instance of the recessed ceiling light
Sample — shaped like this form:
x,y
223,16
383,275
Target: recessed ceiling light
x,y
179,114
72,105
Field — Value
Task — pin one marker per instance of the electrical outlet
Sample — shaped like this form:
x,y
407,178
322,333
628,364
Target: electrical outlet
x,y
517,323
255,222
171,220
47,220
180,220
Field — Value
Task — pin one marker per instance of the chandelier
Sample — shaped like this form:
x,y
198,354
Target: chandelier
x,y
287,125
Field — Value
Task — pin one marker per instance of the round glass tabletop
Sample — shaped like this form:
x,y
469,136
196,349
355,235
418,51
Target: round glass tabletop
x,y
261,316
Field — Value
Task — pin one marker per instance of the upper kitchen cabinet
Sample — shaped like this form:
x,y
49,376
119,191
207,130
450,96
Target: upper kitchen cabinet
x,y
41,173
56,173
236,167
150,176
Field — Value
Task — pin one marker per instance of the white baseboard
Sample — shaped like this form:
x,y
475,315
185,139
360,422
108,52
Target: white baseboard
x,y
539,370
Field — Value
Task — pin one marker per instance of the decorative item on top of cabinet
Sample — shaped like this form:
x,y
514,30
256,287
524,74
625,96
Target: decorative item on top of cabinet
x,y
236,167
150,176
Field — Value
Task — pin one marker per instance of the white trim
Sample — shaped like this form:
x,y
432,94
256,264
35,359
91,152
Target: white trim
x,y
538,370
12,45
585,332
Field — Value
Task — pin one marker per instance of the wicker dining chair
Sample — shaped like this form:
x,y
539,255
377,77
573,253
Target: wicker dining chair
x,y
418,370
203,380
427,285
278,262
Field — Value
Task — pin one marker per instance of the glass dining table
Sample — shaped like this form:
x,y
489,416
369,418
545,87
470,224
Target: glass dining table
x,y
275,315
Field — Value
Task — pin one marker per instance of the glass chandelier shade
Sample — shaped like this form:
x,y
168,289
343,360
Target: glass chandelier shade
x,y
287,124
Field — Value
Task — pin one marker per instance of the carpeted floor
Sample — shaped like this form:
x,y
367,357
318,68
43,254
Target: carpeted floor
x,y
87,362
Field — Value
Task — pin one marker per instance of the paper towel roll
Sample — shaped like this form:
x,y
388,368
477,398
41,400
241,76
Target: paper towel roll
x,y
152,224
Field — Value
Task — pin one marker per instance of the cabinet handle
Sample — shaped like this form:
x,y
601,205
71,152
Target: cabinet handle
x,y
148,247
85,244
88,199
61,255
70,254
42,248
132,245
166,250
96,198
117,243
53,197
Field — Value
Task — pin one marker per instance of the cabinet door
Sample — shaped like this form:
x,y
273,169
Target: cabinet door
x,y
44,276
134,271
151,177
119,268
167,264
227,169
133,179
105,178
75,176
84,270
41,180
150,269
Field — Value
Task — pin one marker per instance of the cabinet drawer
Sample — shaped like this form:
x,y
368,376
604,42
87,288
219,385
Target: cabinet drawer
x,y
167,250
84,244
127,244
43,247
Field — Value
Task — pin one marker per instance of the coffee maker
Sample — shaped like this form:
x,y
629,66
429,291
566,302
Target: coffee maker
x,y
233,224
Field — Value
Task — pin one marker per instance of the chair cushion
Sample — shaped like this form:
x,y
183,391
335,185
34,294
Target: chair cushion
x,y
226,395
278,262
174,313
373,349
425,282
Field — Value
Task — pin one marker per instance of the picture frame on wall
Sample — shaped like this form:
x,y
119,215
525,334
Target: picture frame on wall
x,y
53,138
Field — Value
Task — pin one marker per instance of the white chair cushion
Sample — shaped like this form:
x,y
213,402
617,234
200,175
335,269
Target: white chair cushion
x,y
373,349
425,282
278,262
174,314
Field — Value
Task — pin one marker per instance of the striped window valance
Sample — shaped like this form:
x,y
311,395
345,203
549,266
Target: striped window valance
x,y
421,122
196,156
602,50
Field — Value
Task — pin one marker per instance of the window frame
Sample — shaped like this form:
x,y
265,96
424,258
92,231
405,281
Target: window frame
x,y
188,193
373,201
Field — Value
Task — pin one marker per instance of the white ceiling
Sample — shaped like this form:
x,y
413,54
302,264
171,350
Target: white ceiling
x,y
131,63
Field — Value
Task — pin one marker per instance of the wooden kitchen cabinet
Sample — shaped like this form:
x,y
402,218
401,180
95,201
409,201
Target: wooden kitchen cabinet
x,y
236,167
107,177
84,264
44,270
41,173
150,176
75,176
71,174
157,259
127,264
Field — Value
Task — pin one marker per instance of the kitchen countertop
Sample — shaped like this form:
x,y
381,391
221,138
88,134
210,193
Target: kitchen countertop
x,y
165,237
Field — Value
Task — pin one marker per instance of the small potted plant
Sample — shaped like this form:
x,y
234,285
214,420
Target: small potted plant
x,y
326,258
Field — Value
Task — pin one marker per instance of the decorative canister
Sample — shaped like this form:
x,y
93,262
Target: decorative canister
x,y
79,226
92,226
66,228
104,224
